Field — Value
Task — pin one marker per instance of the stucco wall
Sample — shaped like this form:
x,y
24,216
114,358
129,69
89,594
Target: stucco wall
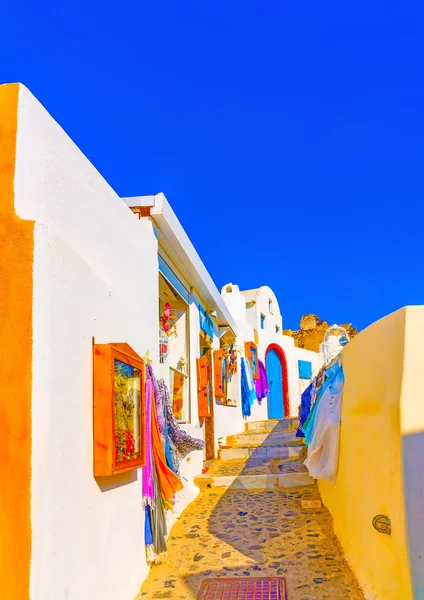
x,y
383,367
95,274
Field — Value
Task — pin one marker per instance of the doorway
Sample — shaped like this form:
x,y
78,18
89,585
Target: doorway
x,y
276,370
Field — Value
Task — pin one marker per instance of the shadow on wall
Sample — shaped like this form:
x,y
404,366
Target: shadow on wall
x,y
116,481
413,472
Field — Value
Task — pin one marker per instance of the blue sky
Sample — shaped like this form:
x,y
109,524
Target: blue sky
x,y
288,137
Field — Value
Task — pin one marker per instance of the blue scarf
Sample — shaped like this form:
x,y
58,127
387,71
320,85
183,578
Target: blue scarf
x,y
247,388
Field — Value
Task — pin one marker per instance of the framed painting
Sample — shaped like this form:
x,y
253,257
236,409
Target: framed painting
x,y
119,409
251,353
178,384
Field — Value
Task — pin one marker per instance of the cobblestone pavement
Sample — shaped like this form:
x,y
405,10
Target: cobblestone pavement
x,y
228,533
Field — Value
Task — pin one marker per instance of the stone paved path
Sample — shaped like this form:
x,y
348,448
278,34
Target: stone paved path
x,y
228,533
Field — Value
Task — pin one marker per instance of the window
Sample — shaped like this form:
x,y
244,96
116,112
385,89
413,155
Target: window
x,y
270,306
262,321
305,369
277,329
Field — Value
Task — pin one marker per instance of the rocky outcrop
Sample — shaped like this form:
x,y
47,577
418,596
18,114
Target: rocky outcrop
x,y
312,330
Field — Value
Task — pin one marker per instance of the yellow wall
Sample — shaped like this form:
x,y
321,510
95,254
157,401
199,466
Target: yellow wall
x,y
370,477
412,430
16,259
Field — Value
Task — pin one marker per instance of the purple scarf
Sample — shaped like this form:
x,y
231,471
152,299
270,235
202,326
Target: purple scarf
x,y
261,384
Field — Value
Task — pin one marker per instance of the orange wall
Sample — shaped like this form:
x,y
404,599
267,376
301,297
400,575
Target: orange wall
x,y
16,260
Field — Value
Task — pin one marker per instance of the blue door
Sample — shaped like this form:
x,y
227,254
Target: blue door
x,y
274,373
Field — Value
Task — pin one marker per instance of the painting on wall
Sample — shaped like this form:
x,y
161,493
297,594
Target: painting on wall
x,y
251,353
118,410
127,387
178,387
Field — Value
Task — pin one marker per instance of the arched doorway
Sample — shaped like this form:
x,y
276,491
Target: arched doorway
x,y
276,370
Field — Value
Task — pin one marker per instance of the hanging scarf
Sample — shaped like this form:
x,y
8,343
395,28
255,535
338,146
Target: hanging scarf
x,y
323,445
261,384
147,474
178,442
159,483
169,483
305,409
247,388
308,427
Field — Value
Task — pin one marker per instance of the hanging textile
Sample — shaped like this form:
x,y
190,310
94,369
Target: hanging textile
x,y
261,384
147,473
324,435
305,408
247,388
169,483
160,484
326,377
180,443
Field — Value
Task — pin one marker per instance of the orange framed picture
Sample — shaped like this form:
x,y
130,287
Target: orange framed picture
x,y
119,409
251,353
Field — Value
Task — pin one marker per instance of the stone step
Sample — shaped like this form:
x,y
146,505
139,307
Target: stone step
x,y
255,466
259,439
286,452
255,482
272,425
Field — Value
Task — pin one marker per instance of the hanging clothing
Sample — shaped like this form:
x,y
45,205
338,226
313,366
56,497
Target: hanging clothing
x,y
326,379
168,482
261,384
247,388
305,408
178,443
147,472
160,484
324,437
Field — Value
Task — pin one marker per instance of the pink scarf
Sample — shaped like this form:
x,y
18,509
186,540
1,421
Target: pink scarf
x,y
147,476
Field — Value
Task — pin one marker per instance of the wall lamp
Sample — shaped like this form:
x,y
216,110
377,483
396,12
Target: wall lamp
x,y
382,524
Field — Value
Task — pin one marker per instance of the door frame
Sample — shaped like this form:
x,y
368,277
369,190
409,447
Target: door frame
x,y
284,376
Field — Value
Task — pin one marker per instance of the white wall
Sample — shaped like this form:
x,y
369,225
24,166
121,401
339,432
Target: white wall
x,y
95,274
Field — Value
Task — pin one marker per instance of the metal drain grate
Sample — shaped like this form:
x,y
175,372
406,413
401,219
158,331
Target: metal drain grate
x,y
243,588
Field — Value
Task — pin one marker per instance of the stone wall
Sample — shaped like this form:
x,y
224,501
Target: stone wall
x,y
312,330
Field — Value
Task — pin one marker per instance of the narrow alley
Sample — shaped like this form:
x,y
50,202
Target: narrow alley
x,y
259,514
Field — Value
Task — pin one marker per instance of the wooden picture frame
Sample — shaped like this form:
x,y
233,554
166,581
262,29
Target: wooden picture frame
x,y
251,353
118,409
